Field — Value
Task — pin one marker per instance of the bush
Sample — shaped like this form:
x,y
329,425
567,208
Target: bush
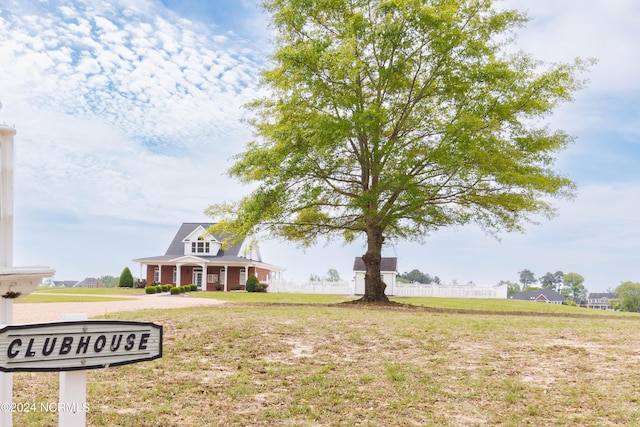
x,y
175,291
194,287
183,289
126,279
219,286
262,287
159,289
252,283
150,290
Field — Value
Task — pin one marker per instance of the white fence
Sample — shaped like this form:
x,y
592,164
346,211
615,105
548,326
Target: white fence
x,y
321,287
399,290
450,291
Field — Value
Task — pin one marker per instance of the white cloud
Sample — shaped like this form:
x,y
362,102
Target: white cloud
x,y
127,115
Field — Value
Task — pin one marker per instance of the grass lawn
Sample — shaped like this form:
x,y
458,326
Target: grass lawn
x,y
314,365
272,298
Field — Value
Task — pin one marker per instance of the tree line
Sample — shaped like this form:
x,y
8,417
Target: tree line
x,y
570,285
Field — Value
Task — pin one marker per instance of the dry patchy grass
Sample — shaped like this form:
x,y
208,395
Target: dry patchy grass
x,y
341,366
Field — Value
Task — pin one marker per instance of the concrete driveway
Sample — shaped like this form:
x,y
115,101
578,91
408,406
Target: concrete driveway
x,y
44,312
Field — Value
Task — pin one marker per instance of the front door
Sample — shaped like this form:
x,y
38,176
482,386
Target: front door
x,y
197,277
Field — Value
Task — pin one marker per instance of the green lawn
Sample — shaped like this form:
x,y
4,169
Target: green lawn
x,y
503,305
341,365
272,298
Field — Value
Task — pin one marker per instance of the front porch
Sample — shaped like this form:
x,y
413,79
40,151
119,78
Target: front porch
x,y
206,277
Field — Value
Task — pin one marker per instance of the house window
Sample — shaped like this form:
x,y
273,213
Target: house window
x,y
156,275
200,247
243,276
223,275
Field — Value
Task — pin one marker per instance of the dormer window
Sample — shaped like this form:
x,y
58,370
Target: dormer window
x,y
198,242
200,247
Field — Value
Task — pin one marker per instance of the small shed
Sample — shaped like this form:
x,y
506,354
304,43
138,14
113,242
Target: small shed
x,y
388,273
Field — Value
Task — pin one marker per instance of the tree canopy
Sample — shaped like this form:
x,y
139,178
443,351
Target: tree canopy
x,y
573,286
389,119
418,276
527,277
628,297
552,280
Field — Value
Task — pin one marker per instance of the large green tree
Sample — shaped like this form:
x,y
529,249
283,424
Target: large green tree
x,y
574,286
527,278
389,119
628,297
552,280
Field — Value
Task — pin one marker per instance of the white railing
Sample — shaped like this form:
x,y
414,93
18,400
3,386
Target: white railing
x,y
399,290
449,291
320,287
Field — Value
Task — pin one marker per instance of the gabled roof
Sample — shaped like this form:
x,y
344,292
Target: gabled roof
x,y
600,295
542,294
65,283
199,231
175,251
89,281
186,229
386,264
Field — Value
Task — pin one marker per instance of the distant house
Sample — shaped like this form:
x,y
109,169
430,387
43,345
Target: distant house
x,y
543,295
195,256
63,283
600,301
388,273
89,282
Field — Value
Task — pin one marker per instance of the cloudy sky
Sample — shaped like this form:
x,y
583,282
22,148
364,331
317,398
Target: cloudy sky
x,y
127,113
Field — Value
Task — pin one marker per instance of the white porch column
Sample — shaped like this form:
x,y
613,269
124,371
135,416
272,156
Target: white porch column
x,y
203,281
178,274
226,276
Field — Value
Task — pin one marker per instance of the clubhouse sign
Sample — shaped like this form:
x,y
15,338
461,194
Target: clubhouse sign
x,y
77,345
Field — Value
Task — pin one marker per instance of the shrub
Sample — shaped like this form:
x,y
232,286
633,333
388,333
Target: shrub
x,y
262,287
175,291
183,289
150,290
219,286
252,283
126,279
159,289
194,287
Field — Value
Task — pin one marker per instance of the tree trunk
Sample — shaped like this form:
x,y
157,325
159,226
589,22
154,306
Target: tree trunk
x,y
373,285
